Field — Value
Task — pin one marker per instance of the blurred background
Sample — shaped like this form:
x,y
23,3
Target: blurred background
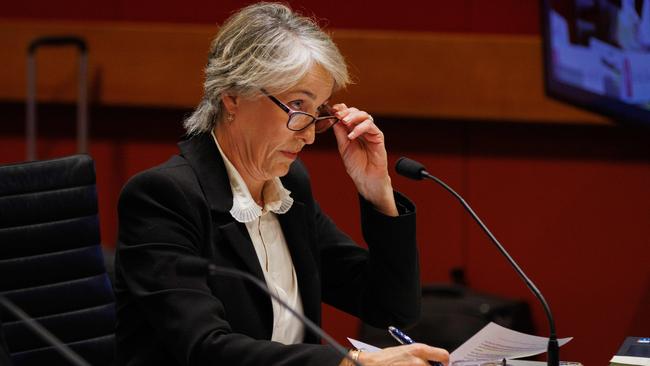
x,y
457,85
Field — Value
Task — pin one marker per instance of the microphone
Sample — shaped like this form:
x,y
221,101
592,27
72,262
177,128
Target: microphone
x,y
45,334
414,170
410,168
200,266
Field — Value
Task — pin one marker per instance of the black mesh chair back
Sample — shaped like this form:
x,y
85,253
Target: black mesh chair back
x,y
51,262
4,354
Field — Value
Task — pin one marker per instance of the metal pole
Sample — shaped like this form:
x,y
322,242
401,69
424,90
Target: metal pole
x,y
82,105
30,128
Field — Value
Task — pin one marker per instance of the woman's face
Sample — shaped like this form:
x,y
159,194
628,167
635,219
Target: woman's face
x,y
258,141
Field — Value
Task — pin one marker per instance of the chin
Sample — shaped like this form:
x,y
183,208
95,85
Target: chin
x,y
281,170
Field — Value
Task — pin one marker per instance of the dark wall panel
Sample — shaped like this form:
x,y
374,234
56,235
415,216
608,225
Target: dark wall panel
x,y
481,16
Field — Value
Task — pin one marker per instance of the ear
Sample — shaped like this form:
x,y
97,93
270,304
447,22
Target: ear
x,y
231,103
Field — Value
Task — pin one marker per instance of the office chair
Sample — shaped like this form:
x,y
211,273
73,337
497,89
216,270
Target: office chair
x,y
4,354
51,263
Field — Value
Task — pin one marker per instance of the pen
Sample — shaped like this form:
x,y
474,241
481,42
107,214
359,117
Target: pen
x,y
402,338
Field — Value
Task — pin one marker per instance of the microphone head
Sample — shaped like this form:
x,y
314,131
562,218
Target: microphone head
x,y
409,168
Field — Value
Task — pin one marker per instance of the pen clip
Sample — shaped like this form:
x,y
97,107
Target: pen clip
x,y
399,335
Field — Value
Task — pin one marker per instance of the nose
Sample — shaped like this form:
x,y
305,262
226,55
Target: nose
x,y
308,135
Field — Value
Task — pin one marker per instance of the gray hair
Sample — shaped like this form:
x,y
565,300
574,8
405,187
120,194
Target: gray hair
x,y
264,45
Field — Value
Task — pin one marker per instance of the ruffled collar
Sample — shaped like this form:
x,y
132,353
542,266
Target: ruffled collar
x,y
277,199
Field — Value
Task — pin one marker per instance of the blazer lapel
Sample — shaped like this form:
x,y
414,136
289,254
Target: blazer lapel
x,y
203,155
295,232
237,237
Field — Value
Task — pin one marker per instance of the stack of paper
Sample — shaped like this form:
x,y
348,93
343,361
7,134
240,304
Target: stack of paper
x,y
495,342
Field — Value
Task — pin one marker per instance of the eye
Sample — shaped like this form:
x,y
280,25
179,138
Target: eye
x,y
296,105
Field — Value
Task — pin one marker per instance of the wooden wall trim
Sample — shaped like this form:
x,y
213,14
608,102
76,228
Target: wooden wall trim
x,y
410,74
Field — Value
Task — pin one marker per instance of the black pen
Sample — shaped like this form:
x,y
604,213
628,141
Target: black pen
x,y
402,338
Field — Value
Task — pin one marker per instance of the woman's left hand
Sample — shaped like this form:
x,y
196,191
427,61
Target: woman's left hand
x,y
361,145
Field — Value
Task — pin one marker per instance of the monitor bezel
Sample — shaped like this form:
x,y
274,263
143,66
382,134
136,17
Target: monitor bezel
x,y
616,110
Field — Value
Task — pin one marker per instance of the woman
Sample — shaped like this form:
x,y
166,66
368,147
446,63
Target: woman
x,y
237,196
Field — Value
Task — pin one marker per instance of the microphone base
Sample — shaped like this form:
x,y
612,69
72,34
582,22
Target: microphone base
x,y
553,352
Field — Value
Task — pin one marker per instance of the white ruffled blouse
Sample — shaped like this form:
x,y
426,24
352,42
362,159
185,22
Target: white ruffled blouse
x,y
277,199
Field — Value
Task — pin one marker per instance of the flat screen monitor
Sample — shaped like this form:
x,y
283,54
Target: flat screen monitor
x,y
597,56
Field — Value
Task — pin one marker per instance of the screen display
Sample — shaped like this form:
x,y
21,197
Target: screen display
x,y
597,55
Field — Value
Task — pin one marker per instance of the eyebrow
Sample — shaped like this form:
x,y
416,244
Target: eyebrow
x,y
306,92
312,96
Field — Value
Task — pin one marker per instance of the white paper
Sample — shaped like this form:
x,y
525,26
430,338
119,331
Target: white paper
x,y
492,343
495,342
363,346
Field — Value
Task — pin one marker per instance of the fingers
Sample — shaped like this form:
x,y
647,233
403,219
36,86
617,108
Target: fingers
x,y
339,107
369,130
351,116
341,134
430,353
358,123
415,354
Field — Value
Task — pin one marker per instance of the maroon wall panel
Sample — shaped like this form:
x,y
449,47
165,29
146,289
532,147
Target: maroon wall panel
x,y
481,16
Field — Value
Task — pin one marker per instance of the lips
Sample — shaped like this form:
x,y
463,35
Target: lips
x,y
290,154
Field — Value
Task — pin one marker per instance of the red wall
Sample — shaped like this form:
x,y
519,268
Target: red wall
x,y
493,16
572,203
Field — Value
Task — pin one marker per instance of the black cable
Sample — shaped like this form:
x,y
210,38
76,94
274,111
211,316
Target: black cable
x,y
45,334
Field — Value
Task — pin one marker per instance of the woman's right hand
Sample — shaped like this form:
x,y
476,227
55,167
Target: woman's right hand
x,y
416,354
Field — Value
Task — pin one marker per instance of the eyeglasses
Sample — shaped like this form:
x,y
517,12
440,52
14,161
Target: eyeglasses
x,y
298,120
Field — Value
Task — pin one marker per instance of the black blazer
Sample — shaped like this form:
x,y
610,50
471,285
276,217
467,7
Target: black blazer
x,y
181,208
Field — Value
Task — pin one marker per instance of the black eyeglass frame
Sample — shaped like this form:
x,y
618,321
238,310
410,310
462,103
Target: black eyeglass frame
x,y
292,113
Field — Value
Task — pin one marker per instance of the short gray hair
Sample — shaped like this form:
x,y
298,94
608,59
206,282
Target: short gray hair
x,y
265,45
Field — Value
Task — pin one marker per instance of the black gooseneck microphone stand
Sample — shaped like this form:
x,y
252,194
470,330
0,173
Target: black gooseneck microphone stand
x,y
414,170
